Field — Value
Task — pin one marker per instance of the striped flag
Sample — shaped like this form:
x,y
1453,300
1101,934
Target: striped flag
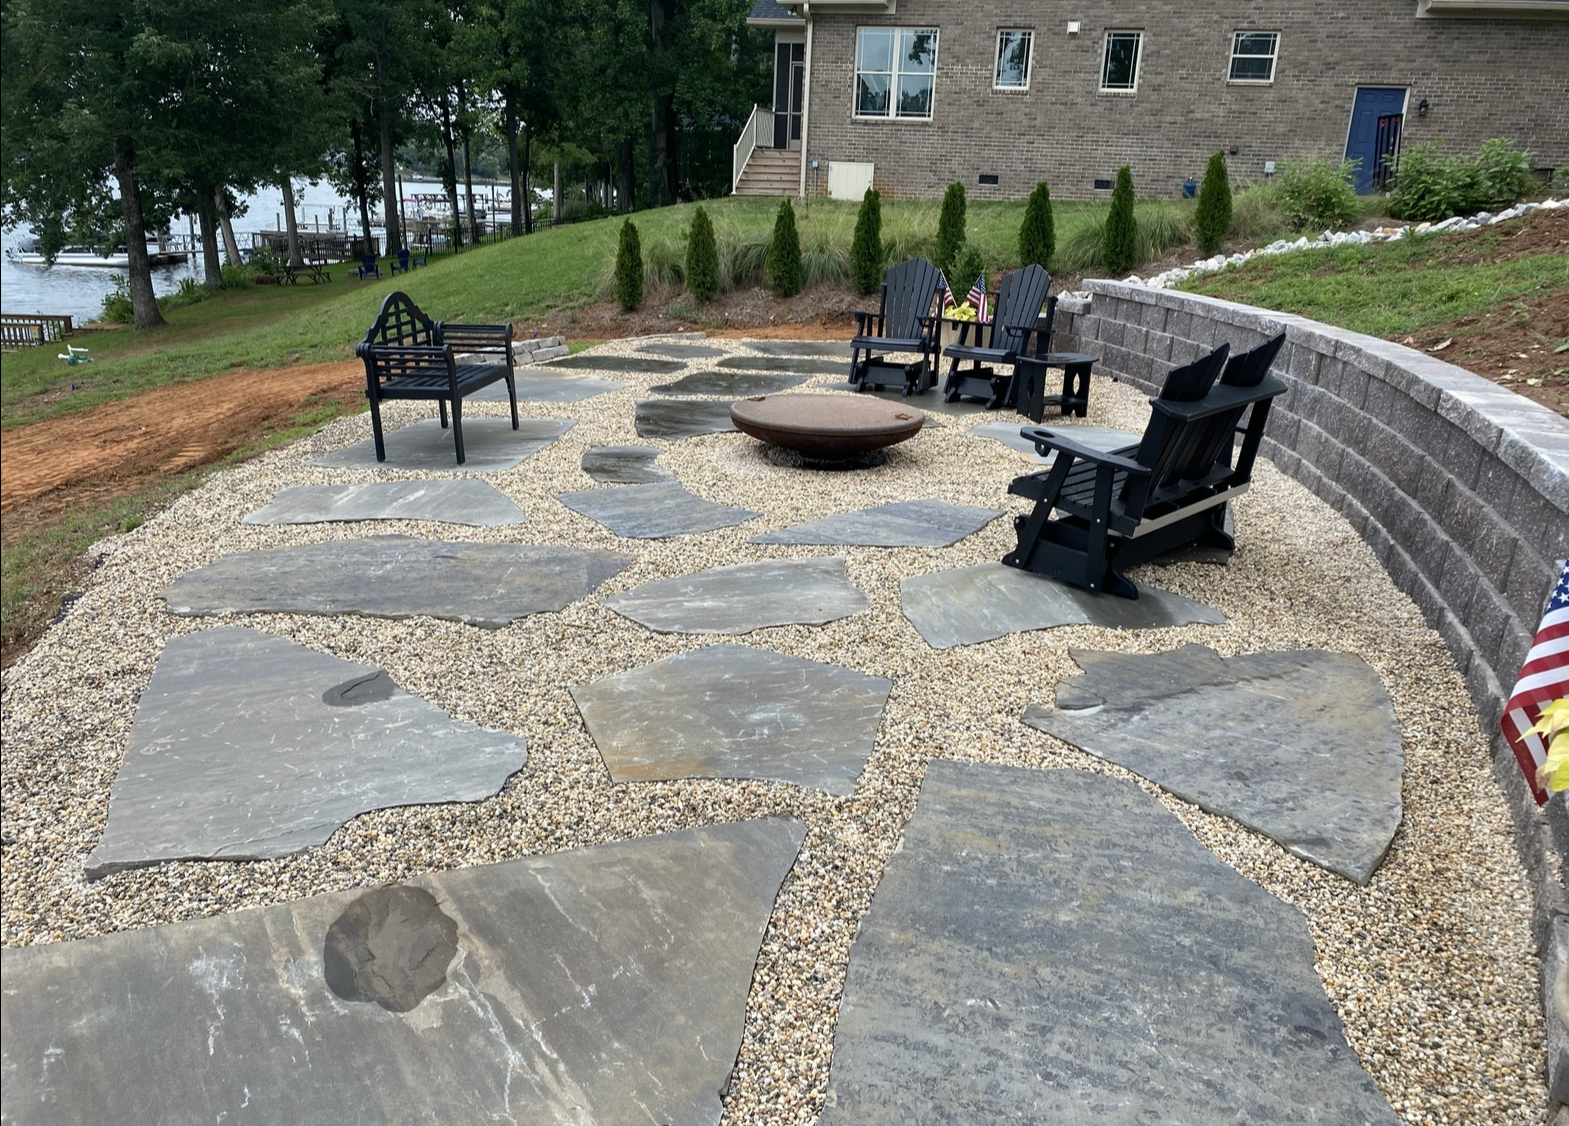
x,y
1544,678
945,294
977,298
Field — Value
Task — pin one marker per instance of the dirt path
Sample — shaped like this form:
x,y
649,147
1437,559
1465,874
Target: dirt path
x,y
166,430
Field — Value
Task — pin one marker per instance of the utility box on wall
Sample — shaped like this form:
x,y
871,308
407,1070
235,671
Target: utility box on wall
x,y
848,180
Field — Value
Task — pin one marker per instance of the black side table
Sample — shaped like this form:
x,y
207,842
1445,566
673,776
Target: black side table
x,y
1030,376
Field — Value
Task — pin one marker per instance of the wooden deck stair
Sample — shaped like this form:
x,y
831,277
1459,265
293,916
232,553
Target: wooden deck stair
x,y
774,172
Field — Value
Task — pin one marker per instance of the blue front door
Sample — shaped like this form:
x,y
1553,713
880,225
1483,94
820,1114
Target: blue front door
x,y
1374,148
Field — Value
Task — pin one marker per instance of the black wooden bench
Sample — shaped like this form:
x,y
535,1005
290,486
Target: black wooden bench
x,y
902,323
1123,507
409,356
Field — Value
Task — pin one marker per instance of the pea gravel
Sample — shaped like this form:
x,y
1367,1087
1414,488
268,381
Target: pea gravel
x,y
1430,966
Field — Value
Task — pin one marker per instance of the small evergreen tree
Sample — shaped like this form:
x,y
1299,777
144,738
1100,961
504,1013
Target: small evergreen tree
x,y
629,268
950,228
966,268
1212,220
1119,240
702,258
785,274
866,248
1038,232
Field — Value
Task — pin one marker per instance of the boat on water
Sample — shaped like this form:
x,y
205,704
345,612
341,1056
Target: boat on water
x,y
27,253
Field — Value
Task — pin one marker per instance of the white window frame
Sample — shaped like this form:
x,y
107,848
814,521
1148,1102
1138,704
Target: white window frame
x,y
1138,60
1273,57
893,113
1029,60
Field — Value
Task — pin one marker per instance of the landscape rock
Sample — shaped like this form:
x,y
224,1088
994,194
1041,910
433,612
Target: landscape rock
x,y
461,501
744,597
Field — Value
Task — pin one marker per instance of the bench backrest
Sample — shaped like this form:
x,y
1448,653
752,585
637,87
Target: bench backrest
x,y
908,291
401,322
1020,298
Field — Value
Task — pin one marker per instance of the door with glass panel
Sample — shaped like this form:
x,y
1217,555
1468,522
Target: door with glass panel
x,y
789,93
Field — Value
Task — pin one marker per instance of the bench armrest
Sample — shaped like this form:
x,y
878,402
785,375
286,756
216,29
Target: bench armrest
x,y
1053,440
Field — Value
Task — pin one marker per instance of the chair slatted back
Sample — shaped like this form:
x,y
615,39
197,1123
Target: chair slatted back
x,y
908,291
1245,369
1168,443
394,361
401,322
1020,299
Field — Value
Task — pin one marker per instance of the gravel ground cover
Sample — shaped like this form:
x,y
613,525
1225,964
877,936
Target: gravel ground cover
x,y
1430,966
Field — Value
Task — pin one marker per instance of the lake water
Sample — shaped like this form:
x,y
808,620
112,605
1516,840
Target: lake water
x,y
79,290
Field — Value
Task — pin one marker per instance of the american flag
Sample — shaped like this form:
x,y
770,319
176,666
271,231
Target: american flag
x,y
1544,678
977,298
945,293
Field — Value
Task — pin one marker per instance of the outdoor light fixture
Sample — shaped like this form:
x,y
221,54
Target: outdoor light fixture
x,y
1421,108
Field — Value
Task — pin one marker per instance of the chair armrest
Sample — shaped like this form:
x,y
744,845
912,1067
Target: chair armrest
x,y
862,319
1053,440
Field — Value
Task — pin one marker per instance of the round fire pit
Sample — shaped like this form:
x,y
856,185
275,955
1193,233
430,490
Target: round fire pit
x,y
826,426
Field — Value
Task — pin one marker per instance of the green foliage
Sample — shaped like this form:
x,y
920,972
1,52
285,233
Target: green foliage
x,y
970,265
629,268
1316,195
784,254
866,247
1433,186
1162,227
1119,245
1256,214
702,258
117,303
1212,217
235,277
1038,232
950,229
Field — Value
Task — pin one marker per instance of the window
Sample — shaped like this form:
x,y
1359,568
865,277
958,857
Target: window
x,y
1013,60
1253,56
894,71
1121,70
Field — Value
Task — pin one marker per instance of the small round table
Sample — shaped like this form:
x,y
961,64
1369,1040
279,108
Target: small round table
x,y
826,426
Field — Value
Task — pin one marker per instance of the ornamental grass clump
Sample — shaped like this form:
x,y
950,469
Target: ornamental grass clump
x,y
785,273
629,268
950,228
1038,232
1212,219
1119,244
702,258
866,247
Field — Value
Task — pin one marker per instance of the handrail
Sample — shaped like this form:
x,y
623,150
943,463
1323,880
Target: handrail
x,y
760,124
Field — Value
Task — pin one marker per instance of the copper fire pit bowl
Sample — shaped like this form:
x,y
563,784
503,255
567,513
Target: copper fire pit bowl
x,y
826,426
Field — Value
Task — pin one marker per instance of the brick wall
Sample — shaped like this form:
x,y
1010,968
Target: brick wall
x,y
1482,78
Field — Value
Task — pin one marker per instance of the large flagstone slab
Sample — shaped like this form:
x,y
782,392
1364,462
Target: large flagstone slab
x,y
795,365
599,985
481,584
731,711
1055,947
624,465
550,389
460,501
835,348
973,604
1301,745
677,350
490,445
735,384
1095,437
600,361
651,512
744,597
910,523
247,746
681,418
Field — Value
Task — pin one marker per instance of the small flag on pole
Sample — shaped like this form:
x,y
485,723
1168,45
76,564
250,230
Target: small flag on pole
x,y
1543,679
977,298
945,293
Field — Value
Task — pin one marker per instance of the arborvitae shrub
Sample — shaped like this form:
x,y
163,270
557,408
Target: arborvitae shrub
x,y
950,228
785,274
966,268
866,248
1212,220
702,258
629,268
1119,241
1038,232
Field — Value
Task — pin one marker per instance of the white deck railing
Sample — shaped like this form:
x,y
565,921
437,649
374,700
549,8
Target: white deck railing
x,y
758,133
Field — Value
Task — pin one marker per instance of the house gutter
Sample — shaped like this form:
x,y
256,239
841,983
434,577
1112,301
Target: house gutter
x,y
806,96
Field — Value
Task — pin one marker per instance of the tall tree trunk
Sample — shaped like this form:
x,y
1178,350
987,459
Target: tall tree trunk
x,y
231,248
144,304
389,184
361,187
449,174
667,173
555,197
212,270
468,165
290,224
528,193
628,187
509,119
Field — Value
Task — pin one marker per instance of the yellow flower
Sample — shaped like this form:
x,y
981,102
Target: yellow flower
x,y
1553,775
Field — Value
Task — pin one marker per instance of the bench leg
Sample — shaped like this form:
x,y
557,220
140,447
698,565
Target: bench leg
x,y
375,427
512,395
442,403
457,425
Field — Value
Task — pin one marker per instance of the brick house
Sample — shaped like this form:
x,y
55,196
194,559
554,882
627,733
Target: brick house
x,y
913,94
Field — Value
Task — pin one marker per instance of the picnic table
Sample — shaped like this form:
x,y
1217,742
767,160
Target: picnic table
x,y
316,271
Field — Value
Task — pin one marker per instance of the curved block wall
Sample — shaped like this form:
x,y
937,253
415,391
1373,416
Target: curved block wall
x,y
1460,487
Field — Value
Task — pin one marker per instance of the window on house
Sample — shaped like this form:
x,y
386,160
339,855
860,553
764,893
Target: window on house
x,y
1121,69
894,71
1253,56
1013,60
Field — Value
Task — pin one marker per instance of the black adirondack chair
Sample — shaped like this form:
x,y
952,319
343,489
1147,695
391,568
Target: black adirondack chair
x,y
903,323
1119,508
1020,299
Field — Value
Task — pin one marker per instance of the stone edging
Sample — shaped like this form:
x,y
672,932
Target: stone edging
x,y
1460,487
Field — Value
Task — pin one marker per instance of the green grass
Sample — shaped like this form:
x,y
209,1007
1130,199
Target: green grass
x,y
1389,289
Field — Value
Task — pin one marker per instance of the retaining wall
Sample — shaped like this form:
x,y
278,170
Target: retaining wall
x,y
1460,487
